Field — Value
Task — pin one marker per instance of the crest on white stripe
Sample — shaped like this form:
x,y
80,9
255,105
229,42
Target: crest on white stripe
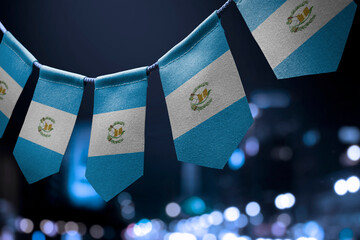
x,y
48,127
10,91
118,132
204,95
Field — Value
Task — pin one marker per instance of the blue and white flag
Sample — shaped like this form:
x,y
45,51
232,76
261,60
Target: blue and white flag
x,y
300,37
116,152
49,123
208,109
16,64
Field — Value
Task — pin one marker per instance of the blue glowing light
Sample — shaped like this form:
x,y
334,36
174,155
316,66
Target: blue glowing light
x,y
72,236
271,99
194,206
311,138
313,229
236,160
349,135
80,192
37,235
346,234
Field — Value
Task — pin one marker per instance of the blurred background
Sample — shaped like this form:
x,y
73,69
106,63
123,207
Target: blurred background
x,y
295,175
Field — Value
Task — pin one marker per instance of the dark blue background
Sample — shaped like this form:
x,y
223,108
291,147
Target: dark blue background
x,y
94,37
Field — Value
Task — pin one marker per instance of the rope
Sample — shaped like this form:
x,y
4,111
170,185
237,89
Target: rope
x,y
223,7
2,27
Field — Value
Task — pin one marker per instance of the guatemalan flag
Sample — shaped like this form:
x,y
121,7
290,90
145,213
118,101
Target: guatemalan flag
x,y
16,64
116,152
207,106
49,123
300,37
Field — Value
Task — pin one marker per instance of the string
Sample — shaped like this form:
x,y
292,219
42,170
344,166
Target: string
x,y
150,68
2,27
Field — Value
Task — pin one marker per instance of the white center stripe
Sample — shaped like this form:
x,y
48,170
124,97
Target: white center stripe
x,y
10,92
274,36
118,132
48,127
223,88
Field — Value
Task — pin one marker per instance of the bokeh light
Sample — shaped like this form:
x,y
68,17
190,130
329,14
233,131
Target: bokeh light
x,y
173,209
284,201
252,146
216,218
37,235
231,214
26,225
349,134
353,153
252,209
353,184
237,160
311,138
340,187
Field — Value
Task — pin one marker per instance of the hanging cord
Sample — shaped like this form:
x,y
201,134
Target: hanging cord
x,y
2,27
150,68
223,7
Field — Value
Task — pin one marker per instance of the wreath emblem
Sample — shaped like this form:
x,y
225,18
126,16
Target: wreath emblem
x,y
46,126
301,17
3,88
115,132
200,97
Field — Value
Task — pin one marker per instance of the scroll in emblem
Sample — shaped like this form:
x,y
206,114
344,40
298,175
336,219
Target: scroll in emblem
x,y
46,126
116,131
200,97
3,88
301,17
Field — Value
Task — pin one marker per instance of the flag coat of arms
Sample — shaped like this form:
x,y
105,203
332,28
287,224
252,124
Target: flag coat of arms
x,y
300,37
16,64
207,106
49,123
116,152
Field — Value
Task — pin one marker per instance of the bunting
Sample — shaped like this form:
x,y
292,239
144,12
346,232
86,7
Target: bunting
x,y
206,102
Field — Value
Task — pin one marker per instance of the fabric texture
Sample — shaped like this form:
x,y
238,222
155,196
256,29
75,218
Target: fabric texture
x,y
207,106
49,123
300,37
116,152
16,64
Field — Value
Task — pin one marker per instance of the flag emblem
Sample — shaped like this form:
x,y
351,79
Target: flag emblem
x,y
200,97
301,17
115,132
3,88
46,126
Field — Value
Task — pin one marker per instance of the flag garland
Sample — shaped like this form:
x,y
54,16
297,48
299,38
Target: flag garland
x,y
207,106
